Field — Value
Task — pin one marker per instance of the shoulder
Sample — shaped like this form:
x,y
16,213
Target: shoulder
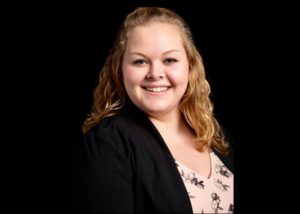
x,y
116,126
227,159
119,132
110,130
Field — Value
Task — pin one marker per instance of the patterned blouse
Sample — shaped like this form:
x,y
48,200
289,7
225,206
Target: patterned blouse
x,y
209,195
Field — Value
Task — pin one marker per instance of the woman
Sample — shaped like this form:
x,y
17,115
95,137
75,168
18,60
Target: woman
x,y
151,143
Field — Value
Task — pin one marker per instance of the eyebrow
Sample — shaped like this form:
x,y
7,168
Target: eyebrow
x,y
166,52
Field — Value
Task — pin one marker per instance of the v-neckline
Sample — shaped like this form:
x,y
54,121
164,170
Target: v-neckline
x,y
196,173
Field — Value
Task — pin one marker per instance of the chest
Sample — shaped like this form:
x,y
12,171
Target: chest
x,y
200,162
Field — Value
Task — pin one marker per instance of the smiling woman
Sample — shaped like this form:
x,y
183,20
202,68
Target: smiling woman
x,y
155,69
151,141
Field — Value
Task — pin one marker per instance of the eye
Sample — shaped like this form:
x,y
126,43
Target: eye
x,y
170,60
139,62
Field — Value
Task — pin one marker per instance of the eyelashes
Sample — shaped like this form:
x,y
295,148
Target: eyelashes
x,y
143,61
170,60
139,62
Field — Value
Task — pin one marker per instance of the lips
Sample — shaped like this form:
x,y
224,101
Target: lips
x,y
156,88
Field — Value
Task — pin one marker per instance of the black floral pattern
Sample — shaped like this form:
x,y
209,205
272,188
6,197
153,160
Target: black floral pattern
x,y
216,187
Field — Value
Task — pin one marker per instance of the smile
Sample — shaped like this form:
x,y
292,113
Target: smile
x,y
156,89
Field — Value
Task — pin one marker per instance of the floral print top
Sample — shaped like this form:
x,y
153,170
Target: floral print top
x,y
209,195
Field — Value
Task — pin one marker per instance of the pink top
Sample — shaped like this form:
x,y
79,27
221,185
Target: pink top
x,y
209,195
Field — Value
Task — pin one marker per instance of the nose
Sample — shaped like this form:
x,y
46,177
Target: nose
x,y
156,71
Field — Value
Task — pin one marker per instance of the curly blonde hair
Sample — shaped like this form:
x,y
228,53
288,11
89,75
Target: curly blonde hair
x,y
196,106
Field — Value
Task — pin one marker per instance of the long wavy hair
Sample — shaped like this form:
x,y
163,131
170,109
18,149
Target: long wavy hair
x,y
196,106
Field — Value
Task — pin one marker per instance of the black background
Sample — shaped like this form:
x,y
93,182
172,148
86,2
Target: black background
x,y
56,52
218,34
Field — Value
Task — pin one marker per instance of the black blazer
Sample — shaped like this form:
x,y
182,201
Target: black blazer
x,y
124,166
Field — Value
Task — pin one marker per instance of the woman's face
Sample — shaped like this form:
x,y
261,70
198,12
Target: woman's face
x,y
155,68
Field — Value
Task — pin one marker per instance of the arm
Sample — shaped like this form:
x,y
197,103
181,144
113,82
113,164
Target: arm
x,y
102,177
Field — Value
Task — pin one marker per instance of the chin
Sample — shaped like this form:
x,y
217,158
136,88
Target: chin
x,y
155,110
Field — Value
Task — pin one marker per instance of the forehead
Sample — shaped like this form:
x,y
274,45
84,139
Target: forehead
x,y
155,35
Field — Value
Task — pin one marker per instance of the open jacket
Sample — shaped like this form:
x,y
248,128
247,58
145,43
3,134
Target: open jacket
x,y
124,166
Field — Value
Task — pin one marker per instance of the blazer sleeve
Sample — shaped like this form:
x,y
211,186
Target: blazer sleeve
x,y
102,174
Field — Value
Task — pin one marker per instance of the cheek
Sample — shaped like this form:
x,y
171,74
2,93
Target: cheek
x,y
127,74
179,75
131,76
126,77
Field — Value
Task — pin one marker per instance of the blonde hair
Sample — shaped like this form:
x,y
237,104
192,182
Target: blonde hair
x,y
110,94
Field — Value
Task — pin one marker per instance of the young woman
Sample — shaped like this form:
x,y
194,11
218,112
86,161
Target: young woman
x,y
151,142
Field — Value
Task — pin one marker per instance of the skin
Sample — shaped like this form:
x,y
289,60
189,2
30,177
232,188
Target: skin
x,y
155,69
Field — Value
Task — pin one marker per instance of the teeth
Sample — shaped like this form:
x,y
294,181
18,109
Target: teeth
x,y
157,89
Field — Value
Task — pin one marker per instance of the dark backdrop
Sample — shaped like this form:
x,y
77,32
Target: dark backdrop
x,y
216,31
52,54
60,49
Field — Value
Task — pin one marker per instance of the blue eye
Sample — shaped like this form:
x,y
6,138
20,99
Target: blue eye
x,y
139,62
170,60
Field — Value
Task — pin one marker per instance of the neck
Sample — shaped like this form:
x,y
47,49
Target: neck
x,y
175,130
172,120
172,123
